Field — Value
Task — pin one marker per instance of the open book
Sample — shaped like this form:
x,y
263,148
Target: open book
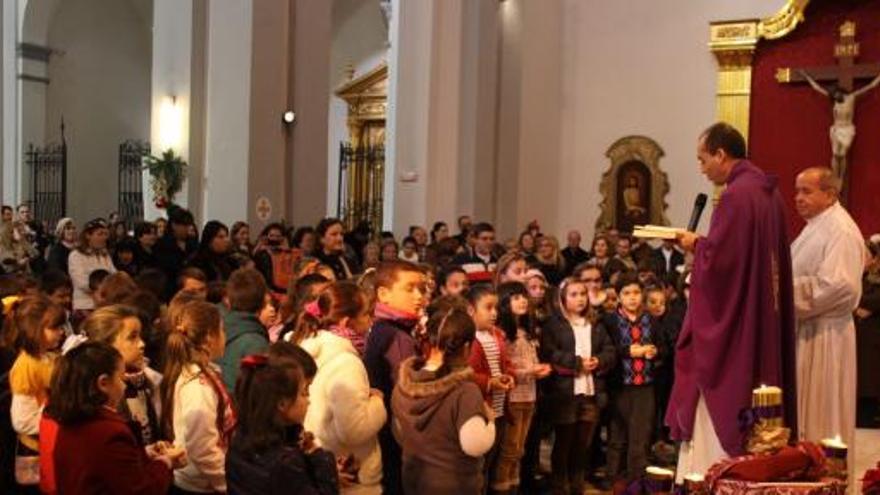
x,y
656,232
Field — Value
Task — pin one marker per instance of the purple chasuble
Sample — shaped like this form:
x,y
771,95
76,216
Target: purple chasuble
x,y
739,329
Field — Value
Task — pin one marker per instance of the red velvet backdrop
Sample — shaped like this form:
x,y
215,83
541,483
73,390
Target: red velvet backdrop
x,y
788,129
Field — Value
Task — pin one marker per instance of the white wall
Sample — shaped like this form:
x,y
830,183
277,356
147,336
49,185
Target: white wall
x,y
555,83
593,72
409,89
358,40
228,109
33,104
101,85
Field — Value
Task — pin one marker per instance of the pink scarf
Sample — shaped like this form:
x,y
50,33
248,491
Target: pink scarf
x,y
359,341
385,312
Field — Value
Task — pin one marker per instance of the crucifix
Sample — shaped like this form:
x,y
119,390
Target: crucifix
x,y
842,93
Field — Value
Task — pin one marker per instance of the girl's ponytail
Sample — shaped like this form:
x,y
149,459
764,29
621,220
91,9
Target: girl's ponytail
x,y
184,346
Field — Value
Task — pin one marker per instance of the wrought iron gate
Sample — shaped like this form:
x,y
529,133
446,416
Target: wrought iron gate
x,y
361,185
48,168
131,193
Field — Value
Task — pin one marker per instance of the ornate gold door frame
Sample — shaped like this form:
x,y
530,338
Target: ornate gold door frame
x,y
366,98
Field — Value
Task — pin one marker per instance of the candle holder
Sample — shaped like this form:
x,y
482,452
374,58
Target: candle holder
x,y
835,457
659,480
695,484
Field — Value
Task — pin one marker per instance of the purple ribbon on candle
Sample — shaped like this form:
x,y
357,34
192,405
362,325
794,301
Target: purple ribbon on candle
x,y
649,485
749,416
834,452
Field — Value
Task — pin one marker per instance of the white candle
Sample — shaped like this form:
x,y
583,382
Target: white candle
x,y
659,471
834,443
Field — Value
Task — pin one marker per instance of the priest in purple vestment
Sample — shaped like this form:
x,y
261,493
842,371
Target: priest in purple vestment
x,y
739,330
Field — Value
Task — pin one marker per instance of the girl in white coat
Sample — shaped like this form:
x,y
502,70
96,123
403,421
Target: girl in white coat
x,y
345,415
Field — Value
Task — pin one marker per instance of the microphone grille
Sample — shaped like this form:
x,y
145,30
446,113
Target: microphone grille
x,y
701,199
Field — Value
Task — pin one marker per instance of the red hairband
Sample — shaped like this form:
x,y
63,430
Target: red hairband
x,y
254,361
313,309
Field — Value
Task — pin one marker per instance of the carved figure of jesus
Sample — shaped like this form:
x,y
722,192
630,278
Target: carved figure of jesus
x,y
632,197
843,130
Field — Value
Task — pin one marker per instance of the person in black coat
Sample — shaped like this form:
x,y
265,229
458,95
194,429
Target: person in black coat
x,y
65,242
667,260
270,454
175,247
145,237
213,255
331,250
573,253
868,344
576,391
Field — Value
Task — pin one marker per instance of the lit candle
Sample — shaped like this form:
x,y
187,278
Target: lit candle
x,y
693,483
835,453
834,443
765,397
660,479
659,472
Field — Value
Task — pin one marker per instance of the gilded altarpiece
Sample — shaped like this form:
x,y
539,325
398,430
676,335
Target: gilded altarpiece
x,y
362,158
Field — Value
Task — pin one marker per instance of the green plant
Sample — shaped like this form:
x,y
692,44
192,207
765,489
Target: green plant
x,y
167,174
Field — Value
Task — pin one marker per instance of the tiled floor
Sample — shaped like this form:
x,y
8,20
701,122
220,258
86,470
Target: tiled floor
x,y
867,452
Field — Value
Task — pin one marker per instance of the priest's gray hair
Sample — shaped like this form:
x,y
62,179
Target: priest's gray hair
x,y
828,182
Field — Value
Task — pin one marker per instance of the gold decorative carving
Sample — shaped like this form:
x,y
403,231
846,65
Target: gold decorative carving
x,y
784,21
783,75
626,150
733,43
367,100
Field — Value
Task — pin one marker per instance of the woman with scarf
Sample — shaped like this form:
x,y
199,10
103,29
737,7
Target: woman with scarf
x,y
91,254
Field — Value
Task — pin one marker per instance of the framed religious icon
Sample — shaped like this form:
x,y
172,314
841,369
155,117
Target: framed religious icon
x,y
633,187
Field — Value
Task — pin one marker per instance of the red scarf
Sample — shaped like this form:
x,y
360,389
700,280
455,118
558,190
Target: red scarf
x,y
229,419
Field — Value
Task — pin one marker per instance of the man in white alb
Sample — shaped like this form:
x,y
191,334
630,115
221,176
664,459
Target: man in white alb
x,y
828,258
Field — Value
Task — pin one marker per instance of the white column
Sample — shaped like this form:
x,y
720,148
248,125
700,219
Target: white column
x,y
408,114
446,129
171,89
227,140
10,146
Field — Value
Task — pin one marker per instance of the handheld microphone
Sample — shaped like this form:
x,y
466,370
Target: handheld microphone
x,y
699,205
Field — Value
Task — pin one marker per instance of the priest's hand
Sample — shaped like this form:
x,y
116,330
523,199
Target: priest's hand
x,y
636,351
687,240
650,352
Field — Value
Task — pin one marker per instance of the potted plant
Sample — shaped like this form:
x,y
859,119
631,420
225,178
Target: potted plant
x,y
167,173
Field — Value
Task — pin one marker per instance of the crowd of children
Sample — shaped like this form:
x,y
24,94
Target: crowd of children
x,y
404,377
